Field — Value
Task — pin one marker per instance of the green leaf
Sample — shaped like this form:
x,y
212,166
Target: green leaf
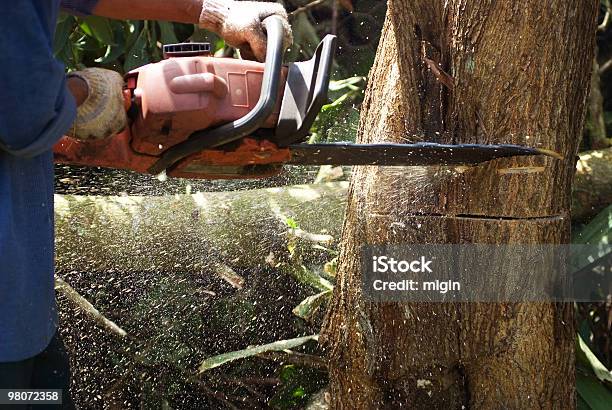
x,y
581,404
221,359
597,231
132,31
154,49
585,356
331,267
167,35
138,54
297,385
219,45
352,83
592,243
287,373
311,304
291,223
99,28
112,54
299,392
63,30
594,394
308,277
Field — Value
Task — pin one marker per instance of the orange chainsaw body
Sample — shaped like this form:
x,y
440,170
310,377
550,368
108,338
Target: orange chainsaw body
x,y
170,100
182,94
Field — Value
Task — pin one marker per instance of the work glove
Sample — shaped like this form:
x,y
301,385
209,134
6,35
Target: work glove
x,y
239,23
102,114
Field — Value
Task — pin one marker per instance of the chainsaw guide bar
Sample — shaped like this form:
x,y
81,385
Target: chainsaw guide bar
x,y
425,153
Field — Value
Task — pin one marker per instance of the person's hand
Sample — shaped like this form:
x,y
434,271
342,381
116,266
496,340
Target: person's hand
x,y
102,113
239,23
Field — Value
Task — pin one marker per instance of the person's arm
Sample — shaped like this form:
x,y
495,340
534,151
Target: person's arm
x,y
180,11
239,23
35,105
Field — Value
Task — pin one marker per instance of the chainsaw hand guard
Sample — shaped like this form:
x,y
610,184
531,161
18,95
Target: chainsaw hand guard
x,y
246,125
305,94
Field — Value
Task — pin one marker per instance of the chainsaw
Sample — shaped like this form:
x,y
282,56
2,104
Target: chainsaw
x,y
192,115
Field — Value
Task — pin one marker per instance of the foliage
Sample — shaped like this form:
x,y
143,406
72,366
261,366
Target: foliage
x,y
598,231
338,120
115,44
280,345
309,306
593,379
298,384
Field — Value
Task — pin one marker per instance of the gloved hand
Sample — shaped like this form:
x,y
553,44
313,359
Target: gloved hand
x,y
102,114
239,23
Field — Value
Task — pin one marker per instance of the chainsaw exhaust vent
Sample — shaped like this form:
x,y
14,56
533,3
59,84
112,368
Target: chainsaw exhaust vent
x,y
186,50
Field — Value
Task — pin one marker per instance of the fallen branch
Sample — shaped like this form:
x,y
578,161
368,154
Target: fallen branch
x,y
65,289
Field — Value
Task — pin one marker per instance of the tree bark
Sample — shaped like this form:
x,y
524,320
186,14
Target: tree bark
x,y
518,73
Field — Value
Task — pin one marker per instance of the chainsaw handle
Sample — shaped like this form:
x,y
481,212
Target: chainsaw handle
x,y
246,125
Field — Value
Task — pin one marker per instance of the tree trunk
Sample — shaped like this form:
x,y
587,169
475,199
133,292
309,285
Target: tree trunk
x,y
595,124
520,74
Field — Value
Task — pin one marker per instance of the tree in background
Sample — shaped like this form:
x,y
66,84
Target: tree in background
x,y
517,73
